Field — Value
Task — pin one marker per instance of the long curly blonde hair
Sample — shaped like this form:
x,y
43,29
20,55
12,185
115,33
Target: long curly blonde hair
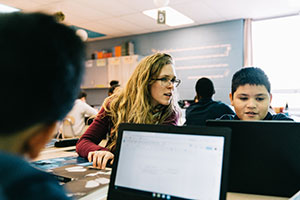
x,y
133,103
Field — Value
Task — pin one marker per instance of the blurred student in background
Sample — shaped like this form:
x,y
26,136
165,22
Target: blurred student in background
x,y
79,112
205,108
149,97
113,82
48,69
251,96
114,88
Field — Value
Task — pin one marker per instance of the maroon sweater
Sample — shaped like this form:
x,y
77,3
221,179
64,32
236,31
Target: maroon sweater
x,y
99,128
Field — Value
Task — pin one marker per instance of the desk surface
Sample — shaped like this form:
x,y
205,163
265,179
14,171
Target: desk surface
x,y
54,152
233,196
240,196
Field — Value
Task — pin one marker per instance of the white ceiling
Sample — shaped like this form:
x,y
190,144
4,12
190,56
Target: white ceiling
x,y
116,18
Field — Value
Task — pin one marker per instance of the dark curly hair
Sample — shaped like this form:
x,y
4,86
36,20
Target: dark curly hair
x,y
42,63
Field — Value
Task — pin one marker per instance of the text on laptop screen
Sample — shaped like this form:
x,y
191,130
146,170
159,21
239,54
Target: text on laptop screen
x,y
178,165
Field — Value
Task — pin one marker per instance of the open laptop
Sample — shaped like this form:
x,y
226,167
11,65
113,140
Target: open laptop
x,y
264,157
168,162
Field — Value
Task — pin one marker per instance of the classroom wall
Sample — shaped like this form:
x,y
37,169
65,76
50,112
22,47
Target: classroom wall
x,y
95,97
211,50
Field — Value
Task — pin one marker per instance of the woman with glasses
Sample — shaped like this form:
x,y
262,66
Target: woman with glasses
x,y
149,97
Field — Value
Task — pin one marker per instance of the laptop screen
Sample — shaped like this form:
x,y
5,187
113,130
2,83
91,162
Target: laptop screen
x,y
264,157
170,165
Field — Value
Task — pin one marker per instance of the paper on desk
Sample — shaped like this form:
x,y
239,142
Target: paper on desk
x,y
85,180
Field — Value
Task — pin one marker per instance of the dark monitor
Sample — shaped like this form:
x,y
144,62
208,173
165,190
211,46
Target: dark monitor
x,y
264,157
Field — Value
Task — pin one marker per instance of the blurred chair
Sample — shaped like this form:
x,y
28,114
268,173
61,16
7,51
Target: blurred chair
x,y
67,130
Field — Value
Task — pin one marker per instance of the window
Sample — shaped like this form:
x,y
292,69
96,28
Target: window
x,y
276,49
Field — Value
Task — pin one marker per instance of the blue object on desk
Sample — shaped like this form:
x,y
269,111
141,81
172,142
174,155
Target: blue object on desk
x,y
91,164
49,164
85,164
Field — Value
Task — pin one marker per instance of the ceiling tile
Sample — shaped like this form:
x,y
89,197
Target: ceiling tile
x,y
139,5
111,7
122,17
197,11
231,9
122,24
141,20
101,28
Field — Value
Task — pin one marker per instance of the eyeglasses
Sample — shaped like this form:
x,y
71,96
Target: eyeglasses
x,y
166,81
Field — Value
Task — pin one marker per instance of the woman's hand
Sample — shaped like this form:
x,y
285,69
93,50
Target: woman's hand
x,y
100,158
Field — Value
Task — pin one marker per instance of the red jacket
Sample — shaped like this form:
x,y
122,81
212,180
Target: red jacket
x,y
98,130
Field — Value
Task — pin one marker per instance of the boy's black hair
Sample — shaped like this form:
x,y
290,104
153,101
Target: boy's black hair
x,y
82,94
42,63
204,88
251,76
112,89
113,82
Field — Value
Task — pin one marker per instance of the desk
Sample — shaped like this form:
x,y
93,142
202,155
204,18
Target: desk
x,y
240,196
233,196
237,196
229,196
54,152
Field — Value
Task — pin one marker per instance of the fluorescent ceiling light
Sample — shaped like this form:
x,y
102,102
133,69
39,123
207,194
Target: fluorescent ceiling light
x,y
173,17
7,9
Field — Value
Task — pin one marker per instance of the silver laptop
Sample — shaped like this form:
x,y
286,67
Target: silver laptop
x,y
169,162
